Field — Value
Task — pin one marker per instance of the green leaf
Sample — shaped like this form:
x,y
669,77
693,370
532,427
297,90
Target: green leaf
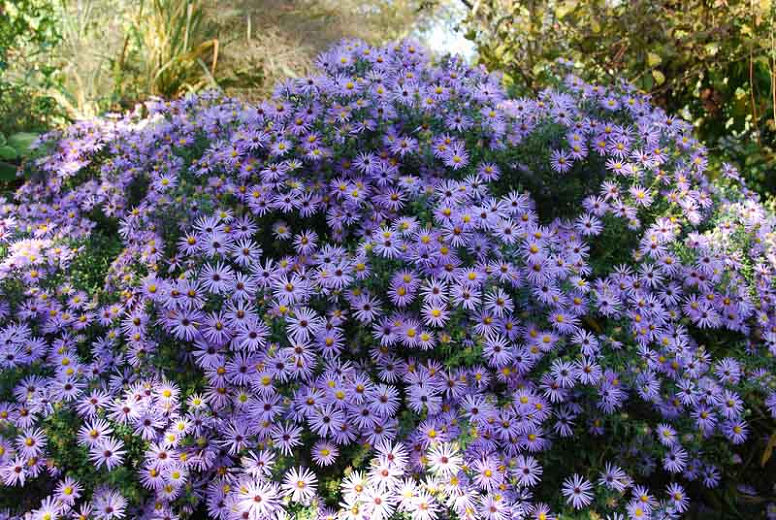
x,y
7,172
564,8
8,152
22,142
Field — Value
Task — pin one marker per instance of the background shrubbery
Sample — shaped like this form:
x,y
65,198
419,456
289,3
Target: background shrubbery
x,y
66,60
712,61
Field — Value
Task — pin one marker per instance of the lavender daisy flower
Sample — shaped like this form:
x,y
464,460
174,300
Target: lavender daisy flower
x,y
14,472
31,443
300,483
107,451
528,470
324,453
108,504
677,497
576,490
560,161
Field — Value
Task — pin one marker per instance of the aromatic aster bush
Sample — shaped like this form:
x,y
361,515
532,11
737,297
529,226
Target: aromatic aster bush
x,y
390,291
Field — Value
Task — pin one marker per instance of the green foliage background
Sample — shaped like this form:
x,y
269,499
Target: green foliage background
x,y
66,60
712,61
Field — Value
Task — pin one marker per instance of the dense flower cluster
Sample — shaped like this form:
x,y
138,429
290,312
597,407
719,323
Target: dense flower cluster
x,y
365,299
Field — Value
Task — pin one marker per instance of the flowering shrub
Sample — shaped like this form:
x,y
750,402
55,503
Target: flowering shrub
x,y
390,291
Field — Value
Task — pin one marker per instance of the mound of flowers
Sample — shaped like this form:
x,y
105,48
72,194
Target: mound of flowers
x,y
389,291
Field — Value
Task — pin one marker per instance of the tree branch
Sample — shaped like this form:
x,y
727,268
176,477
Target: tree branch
x,y
527,80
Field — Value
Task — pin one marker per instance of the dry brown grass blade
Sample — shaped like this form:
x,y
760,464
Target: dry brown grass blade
x,y
189,57
768,450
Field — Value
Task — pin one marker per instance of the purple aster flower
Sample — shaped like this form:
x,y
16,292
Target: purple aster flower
x,y
300,483
107,451
324,453
577,491
528,471
456,156
14,472
287,437
68,491
560,161
677,497
108,504
736,430
31,443
675,460
258,499
251,335
614,478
